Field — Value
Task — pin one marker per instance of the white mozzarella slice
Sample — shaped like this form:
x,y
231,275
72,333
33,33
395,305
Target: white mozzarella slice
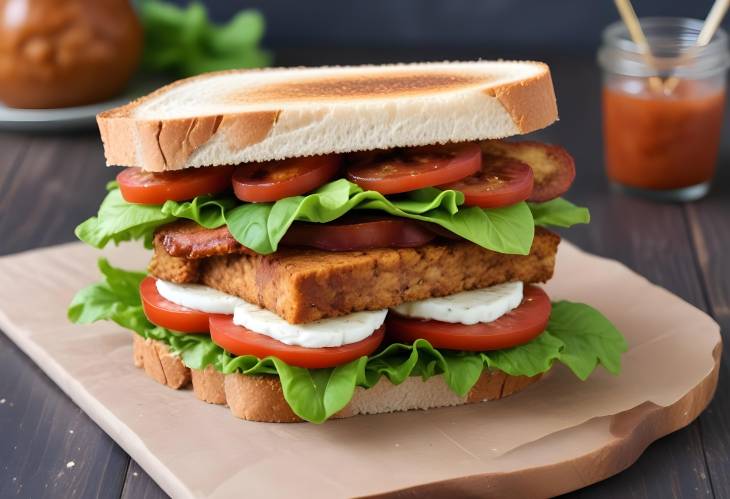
x,y
333,332
468,307
198,297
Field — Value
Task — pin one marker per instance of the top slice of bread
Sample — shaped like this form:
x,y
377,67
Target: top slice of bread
x,y
240,116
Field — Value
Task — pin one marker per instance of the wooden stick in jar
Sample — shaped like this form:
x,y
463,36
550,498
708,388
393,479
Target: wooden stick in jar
x,y
712,22
628,15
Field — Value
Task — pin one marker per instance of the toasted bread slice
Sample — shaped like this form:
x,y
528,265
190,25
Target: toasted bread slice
x,y
257,115
260,398
304,285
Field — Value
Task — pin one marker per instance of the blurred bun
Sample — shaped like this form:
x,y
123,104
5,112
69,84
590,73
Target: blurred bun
x,y
66,53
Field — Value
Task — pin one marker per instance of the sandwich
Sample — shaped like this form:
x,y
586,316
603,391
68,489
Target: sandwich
x,y
328,242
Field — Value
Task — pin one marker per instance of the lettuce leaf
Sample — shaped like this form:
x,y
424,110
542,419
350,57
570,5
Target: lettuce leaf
x,y
119,220
261,226
117,299
598,341
559,212
577,335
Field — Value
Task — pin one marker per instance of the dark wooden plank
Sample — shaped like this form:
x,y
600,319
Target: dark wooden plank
x,y
139,485
48,446
710,226
661,469
56,184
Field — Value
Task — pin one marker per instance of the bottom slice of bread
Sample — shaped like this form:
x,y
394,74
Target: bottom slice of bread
x,y
260,398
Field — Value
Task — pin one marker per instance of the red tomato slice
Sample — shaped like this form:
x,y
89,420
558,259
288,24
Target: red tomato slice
x,y
514,328
275,180
167,314
552,166
241,341
501,182
359,232
406,170
143,187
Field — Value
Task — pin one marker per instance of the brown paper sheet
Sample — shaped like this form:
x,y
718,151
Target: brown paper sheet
x,y
197,450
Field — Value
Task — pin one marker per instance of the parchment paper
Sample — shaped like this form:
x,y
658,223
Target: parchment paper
x,y
193,449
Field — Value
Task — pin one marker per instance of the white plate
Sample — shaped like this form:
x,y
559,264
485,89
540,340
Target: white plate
x,y
68,118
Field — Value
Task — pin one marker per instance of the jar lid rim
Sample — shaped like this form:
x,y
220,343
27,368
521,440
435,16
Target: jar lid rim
x,y
620,54
617,33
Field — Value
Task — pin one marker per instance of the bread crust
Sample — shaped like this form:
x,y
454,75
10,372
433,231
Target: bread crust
x,y
501,107
158,363
260,398
208,385
303,285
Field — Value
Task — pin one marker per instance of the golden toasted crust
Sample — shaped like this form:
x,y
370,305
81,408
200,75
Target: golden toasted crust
x,y
347,87
208,385
159,364
303,285
170,143
138,347
531,103
258,398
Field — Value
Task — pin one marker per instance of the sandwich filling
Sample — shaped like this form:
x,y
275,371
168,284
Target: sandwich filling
x,y
468,307
331,272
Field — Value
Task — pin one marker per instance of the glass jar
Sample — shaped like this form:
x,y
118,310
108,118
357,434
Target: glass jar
x,y
662,116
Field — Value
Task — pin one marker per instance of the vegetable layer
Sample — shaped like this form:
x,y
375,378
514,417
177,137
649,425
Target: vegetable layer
x,y
261,226
577,335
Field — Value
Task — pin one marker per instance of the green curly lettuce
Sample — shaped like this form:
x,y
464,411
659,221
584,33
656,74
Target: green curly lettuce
x,y
261,226
118,220
577,335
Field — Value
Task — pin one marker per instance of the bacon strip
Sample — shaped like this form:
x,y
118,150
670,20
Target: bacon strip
x,y
187,239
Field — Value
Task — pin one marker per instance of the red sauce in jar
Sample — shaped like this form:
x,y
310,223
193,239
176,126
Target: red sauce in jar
x,y
659,142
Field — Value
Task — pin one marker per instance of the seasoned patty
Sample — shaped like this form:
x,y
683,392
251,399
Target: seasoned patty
x,y
304,285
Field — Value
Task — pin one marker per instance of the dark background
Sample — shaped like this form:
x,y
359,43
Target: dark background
x,y
499,27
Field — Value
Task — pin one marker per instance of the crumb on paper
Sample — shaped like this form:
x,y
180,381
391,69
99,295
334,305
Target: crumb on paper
x,y
70,464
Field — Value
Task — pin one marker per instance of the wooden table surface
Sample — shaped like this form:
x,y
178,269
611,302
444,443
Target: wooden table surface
x,y
49,183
